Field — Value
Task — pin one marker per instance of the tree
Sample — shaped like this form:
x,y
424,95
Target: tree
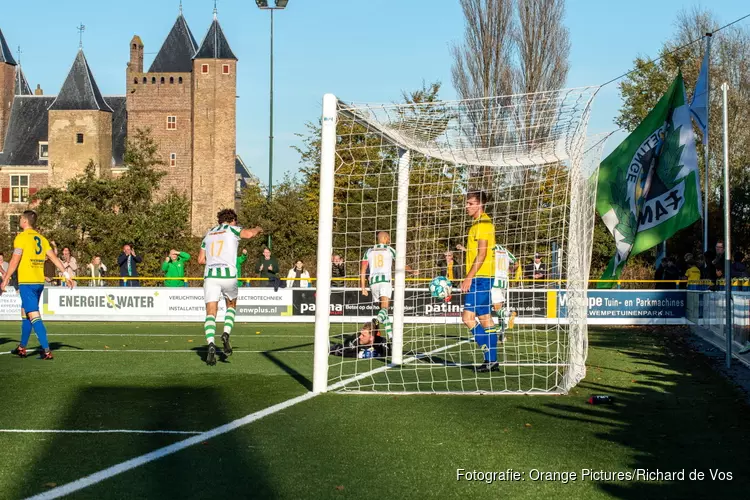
x,y
643,87
97,215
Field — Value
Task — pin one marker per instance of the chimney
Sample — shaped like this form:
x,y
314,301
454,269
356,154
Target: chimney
x,y
38,90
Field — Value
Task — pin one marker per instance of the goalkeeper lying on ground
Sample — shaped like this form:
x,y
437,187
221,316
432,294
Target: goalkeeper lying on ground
x,y
369,343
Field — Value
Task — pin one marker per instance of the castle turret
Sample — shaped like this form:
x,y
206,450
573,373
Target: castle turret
x,y
135,65
214,128
80,126
7,86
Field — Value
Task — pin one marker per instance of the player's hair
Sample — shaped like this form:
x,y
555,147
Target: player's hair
x,y
30,216
480,196
226,216
373,327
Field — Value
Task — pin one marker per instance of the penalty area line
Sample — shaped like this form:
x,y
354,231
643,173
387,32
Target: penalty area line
x,y
98,477
93,431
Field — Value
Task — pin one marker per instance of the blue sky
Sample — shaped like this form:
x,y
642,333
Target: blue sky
x,y
361,50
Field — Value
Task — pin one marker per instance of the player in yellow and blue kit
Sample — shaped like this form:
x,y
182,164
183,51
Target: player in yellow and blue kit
x,y
29,252
478,282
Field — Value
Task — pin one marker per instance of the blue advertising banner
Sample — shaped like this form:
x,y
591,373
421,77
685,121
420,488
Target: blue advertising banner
x,y
632,305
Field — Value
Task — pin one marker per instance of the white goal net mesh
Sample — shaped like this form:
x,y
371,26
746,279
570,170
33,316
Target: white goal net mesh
x,y
402,174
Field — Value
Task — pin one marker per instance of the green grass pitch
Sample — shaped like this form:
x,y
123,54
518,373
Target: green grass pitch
x,y
672,411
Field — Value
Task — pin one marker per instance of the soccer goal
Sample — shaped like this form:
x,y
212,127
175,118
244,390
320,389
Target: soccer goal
x,y
405,170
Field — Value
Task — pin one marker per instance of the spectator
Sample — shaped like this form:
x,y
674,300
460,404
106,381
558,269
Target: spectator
x,y
693,272
268,268
174,267
450,267
517,273
671,273
536,271
96,269
50,271
300,275
708,271
739,270
241,260
338,270
128,262
70,263
3,266
719,260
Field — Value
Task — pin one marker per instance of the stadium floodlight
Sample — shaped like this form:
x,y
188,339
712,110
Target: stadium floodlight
x,y
406,169
278,5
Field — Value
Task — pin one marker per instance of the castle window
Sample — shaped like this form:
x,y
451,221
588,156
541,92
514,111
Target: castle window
x,y
79,138
204,69
171,123
135,80
19,188
162,80
179,80
14,223
135,46
43,150
171,79
225,69
145,80
172,159
153,79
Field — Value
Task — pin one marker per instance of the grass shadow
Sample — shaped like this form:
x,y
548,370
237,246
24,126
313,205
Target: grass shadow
x,y
200,468
271,356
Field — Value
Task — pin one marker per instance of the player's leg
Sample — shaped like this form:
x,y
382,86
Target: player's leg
x,y
383,316
30,304
25,335
230,291
472,303
211,292
483,309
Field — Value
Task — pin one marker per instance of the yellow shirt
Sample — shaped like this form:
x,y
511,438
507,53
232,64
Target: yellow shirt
x,y
33,248
693,274
481,229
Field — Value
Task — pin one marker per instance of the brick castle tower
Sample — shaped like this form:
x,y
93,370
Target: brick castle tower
x,y
187,99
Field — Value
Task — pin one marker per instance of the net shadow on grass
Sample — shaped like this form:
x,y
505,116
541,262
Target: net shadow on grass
x,y
675,414
7,340
271,356
195,472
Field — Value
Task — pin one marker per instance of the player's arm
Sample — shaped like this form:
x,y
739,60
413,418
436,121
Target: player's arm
x,y
60,266
363,277
12,266
481,255
250,233
202,253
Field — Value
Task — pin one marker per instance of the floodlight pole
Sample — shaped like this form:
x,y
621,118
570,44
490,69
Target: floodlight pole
x,y
729,310
263,5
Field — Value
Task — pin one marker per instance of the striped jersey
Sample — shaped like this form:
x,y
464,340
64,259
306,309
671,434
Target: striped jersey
x,y
380,260
220,245
503,260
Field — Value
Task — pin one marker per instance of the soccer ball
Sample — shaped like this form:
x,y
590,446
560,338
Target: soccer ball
x,y
440,287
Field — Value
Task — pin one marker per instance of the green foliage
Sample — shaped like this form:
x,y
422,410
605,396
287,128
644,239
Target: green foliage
x,y
97,215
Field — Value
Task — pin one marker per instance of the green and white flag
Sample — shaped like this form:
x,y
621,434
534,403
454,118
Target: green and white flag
x,y
649,186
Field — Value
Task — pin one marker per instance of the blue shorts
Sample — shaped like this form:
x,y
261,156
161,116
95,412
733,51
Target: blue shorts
x,y
30,295
478,300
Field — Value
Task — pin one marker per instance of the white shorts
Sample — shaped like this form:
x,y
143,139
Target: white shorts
x,y
378,290
498,295
215,288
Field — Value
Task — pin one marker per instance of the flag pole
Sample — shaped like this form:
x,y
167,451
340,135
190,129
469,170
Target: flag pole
x,y
705,147
727,235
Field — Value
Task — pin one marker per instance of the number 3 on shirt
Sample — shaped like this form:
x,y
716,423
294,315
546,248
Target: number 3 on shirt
x,y
217,251
38,242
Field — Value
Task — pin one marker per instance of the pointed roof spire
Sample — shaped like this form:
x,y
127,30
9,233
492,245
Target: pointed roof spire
x,y
216,11
180,7
215,44
80,92
176,54
22,85
5,55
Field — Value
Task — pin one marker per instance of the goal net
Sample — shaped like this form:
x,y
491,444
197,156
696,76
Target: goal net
x,y
394,182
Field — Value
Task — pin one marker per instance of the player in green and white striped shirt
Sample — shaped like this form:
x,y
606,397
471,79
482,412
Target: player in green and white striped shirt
x,y
500,288
219,254
379,259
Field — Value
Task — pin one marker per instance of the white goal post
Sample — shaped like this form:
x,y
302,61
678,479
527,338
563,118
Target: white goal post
x,y
404,170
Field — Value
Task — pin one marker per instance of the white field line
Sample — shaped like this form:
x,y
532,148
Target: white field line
x,y
234,335
93,431
97,477
181,351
